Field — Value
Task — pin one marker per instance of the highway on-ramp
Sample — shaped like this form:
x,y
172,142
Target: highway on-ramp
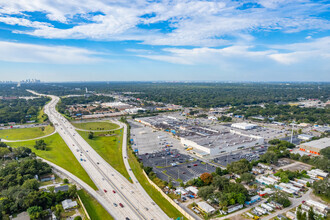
x,y
124,199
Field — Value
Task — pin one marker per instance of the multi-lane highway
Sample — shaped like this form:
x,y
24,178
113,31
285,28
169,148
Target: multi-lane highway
x,y
124,200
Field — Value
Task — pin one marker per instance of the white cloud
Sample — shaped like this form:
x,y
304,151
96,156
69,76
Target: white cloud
x,y
31,53
23,22
318,49
186,22
208,55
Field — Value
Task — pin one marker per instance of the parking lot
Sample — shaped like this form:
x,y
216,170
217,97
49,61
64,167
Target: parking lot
x,y
173,165
148,140
248,154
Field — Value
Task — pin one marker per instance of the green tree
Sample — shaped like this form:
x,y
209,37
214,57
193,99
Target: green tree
x,y
239,167
326,152
4,152
247,177
40,145
205,192
58,209
269,157
90,135
36,212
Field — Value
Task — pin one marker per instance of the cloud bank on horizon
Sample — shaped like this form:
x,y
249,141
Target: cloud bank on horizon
x,y
228,35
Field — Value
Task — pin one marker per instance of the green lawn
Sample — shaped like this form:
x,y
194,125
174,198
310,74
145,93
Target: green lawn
x,y
104,125
25,133
95,210
109,147
166,206
58,153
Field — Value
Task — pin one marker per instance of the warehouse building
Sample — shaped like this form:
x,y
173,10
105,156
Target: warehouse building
x,y
243,126
201,140
314,147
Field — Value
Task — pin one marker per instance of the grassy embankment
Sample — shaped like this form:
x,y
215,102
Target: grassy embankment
x,y
58,153
26,133
104,125
156,196
109,147
95,210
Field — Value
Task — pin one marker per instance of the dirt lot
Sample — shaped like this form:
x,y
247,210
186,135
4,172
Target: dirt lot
x,y
295,166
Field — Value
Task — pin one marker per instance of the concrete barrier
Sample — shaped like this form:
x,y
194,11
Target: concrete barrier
x,y
186,214
83,206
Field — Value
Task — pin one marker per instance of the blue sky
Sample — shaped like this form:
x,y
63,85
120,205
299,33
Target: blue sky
x,y
175,40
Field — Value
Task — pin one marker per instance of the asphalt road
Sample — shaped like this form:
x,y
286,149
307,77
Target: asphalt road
x,y
112,185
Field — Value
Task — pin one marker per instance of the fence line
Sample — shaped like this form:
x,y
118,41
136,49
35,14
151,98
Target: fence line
x,y
186,214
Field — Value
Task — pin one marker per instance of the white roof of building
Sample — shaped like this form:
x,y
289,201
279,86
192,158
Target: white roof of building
x,y
206,207
316,204
68,203
192,189
243,125
305,136
320,144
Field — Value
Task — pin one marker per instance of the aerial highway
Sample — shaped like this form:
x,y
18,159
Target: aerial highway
x,y
124,200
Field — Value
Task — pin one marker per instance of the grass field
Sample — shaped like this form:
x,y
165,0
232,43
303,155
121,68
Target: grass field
x,y
167,207
109,147
96,126
25,133
95,210
58,153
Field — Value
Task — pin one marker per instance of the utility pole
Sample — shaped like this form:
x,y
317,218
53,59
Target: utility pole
x,y
292,132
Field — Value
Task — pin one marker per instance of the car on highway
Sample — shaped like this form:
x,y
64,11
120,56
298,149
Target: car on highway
x,y
195,165
113,191
105,190
121,205
115,204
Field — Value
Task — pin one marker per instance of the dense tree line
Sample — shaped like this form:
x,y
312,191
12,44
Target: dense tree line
x,y
198,94
21,110
285,113
220,190
11,89
19,189
86,100
322,188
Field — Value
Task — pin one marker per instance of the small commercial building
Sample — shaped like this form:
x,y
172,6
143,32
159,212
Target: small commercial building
x,y
314,147
305,137
205,207
243,126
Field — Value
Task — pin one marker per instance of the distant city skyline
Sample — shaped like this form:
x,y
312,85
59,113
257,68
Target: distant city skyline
x,y
181,40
